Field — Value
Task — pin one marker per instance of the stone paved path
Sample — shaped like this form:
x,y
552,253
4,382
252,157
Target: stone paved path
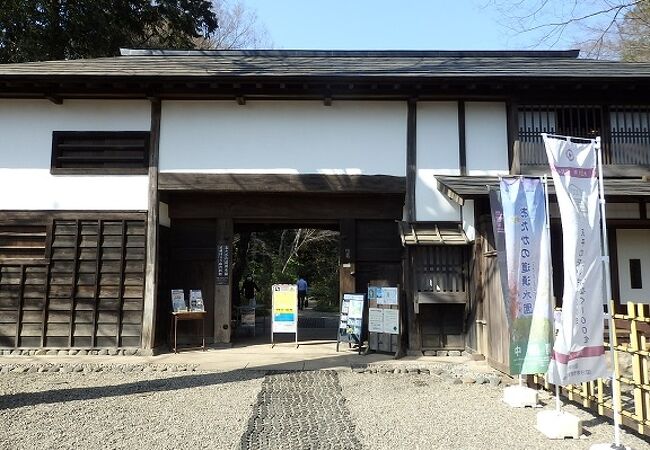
x,y
300,410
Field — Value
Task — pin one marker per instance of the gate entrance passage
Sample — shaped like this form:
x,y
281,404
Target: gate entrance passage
x,y
211,241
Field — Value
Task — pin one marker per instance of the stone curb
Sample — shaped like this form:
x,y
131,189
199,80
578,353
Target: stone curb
x,y
454,374
19,368
75,351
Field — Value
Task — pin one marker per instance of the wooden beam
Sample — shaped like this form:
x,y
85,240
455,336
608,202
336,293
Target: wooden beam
x,y
151,264
462,141
411,159
287,207
285,183
55,99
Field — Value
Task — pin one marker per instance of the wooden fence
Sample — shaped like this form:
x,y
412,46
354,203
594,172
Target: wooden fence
x,y
632,362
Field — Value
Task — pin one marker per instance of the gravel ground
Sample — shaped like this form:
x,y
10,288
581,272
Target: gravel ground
x,y
195,410
109,410
395,411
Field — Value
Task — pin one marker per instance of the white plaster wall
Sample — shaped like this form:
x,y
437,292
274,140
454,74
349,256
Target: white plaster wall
x,y
26,128
468,220
486,137
437,154
293,137
633,244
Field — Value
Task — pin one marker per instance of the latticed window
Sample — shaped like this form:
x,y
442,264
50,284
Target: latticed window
x,y
624,130
100,152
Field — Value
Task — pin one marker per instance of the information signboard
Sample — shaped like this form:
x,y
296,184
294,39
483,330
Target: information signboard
x,y
383,295
383,317
196,300
178,300
351,322
382,320
223,263
284,310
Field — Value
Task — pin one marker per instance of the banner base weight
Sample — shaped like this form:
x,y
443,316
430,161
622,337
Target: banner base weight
x,y
520,397
559,425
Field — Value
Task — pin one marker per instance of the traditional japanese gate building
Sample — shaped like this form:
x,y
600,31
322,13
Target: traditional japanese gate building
x,y
121,178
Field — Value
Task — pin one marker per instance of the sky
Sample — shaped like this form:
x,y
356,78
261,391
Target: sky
x,y
383,24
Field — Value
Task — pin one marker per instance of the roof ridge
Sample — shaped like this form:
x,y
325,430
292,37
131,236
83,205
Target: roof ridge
x,y
358,53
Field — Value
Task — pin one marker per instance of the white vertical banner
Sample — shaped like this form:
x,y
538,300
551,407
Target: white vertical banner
x,y
578,353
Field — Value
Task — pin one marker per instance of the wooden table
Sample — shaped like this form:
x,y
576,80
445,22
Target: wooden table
x,y
178,316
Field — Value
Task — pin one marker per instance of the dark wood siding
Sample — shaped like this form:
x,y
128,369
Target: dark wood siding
x,y
86,292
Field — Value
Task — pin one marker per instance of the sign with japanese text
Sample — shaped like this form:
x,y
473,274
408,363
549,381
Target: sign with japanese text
x,y
196,300
578,353
383,295
223,263
529,306
284,312
351,321
178,300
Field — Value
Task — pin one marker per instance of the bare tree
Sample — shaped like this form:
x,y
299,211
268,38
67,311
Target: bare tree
x,y
600,28
239,27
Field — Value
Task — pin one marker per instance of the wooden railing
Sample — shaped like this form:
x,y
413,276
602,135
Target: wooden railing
x,y
631,348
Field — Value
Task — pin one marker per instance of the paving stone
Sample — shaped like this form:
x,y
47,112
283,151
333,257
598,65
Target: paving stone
x,y
300,410
454,353
468,380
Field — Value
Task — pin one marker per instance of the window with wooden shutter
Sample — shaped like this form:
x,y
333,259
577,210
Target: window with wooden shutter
x,y
100,152
19,242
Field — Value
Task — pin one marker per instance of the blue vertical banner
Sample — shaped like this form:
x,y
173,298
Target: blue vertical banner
x,y
528,296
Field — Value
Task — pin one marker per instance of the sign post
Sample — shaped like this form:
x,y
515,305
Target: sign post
x,y
284,310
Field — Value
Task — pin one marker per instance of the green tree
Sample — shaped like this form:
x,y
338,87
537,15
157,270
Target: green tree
x,y
37,30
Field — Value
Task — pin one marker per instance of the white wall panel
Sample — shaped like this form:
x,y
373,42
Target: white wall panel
x,y
437,154
486,134
26,128
26,125
37,189
294,137
633,244
468,220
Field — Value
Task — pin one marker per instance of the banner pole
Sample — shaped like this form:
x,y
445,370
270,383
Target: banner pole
x,y
608,293
558,403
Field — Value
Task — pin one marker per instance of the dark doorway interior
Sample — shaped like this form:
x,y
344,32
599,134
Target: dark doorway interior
x,y
279,253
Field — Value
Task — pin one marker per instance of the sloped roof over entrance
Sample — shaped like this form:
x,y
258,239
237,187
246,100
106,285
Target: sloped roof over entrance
x,y
460,188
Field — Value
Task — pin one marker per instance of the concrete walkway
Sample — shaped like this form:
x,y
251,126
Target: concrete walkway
x,y
310,355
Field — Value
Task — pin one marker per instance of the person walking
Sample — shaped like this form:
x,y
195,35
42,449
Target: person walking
x,y
248,289
302,293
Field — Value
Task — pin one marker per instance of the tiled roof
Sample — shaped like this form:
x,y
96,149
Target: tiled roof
x,y
353,64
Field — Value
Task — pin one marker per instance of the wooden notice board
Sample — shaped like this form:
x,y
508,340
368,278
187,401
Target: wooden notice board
x,y
384,326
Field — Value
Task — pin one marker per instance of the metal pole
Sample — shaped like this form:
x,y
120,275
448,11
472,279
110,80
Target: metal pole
x,y
608,293
558,403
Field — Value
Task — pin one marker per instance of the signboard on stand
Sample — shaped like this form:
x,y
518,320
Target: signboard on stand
x,y
284,310
383,318
351,320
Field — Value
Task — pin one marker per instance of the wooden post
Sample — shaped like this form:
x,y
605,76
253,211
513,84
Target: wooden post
x,y
347,242
411,159
222,291
412,322
151,265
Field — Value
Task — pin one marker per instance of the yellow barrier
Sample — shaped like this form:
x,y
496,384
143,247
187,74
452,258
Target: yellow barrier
x,y
632,361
